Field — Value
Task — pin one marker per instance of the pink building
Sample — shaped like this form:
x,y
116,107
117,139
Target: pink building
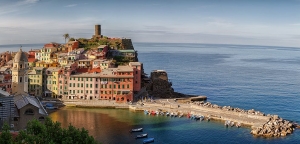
x,y
137,70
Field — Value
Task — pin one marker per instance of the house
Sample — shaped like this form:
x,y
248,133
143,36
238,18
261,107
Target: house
x,y
27,108
50,82
35,84
5,79
102,64
72,45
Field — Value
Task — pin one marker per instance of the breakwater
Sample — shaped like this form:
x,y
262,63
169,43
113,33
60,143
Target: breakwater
x,y
264,125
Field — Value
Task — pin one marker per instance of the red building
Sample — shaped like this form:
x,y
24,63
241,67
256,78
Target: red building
x,y
72,45
52,44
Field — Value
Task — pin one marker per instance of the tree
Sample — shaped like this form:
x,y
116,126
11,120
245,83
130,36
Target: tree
x,y
48,133
5,136
71,39
66,36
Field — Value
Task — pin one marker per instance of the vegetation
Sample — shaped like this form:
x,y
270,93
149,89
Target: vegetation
x,y
66,36
48,133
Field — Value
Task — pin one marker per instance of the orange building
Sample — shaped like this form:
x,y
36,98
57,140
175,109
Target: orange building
x,y
72,45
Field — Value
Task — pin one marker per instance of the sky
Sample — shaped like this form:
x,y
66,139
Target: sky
x,y
245,22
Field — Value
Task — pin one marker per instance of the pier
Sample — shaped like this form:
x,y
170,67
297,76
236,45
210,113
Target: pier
x,y
260,123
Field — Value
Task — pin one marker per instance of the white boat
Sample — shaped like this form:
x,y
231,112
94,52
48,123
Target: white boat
x,y
141,136
137,130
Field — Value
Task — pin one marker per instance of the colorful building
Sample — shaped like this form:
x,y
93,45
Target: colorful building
x,y
72,45
50,82
35,84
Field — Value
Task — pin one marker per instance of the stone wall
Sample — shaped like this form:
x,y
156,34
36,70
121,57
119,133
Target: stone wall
x,y
127,44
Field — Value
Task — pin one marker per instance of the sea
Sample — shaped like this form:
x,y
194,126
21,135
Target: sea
x,y
264,78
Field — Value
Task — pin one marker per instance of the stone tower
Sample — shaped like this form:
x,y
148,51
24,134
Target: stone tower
x,y
98,30
19,74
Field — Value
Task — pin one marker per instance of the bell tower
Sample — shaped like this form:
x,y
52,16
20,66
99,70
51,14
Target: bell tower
x,y
19,73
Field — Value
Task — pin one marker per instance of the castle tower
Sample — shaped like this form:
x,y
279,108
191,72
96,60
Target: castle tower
x,y
97,30
19,74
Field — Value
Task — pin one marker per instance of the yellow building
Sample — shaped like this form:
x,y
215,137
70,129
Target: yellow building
x,y
51,81
35,85
45,54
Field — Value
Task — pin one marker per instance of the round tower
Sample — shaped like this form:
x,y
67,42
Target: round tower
x,y
97,30
19,73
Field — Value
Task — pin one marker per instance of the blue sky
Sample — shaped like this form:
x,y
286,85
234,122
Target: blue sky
x,y
250,22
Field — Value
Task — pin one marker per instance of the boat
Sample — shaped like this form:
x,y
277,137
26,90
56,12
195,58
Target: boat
x,y
238,125
227,123
137,130
148,140
141,136
146,112
232,124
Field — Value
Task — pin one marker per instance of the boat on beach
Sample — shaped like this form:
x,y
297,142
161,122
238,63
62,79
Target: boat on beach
x,y
137,130
141,136
148,140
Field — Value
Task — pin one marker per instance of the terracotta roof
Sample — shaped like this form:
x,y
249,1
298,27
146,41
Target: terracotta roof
x,y
31,59
82,70
98,70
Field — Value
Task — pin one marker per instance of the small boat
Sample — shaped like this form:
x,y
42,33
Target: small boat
x,y
153,113
146,112
137,130
238,125
227,123
148,140
232,124
141,136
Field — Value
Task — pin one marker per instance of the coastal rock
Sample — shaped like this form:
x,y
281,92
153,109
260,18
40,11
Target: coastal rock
x,y
275,127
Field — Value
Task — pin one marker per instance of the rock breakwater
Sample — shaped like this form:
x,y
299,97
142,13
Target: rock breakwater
x,y
275,127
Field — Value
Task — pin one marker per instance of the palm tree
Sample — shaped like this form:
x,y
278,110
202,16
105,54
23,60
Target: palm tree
x,y
66,36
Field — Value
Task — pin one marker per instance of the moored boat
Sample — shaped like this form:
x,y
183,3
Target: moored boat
x,y
141,136
137,130
148,140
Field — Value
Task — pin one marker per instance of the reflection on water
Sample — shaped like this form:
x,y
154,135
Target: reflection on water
x,y
101,123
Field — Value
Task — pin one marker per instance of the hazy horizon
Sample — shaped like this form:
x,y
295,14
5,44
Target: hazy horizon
x,y
236,22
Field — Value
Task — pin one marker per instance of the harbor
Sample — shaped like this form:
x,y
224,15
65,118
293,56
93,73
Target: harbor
x,y
202,110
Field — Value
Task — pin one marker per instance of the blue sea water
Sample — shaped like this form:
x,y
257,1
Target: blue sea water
x,y
264,78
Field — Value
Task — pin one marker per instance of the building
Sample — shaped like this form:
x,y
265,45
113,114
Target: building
x,y
50,82
137,70
35,78
7,109
72,45
45,54
102,64
97,32
5,79
31,57
27,108
85,63
19,73
111,84
4,58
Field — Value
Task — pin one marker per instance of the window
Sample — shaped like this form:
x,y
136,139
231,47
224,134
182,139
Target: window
x,y
96,92
118,86
81,91
128,86
41,118
77,91
73,91
87,85
73,84
96,85
87,91
29,112
70,84
136,72
91,85
91,91
20,79
81,84
123,86
91,79
78,84
78,79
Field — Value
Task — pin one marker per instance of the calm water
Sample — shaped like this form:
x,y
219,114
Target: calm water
x,y
260,77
